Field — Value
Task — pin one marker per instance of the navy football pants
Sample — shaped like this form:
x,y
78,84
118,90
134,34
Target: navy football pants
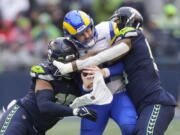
x,y
15,121
154,119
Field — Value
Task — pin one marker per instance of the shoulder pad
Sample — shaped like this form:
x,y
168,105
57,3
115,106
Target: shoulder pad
x,y
40,72
114,31
37,69
128,32
102,28
115,28
108,30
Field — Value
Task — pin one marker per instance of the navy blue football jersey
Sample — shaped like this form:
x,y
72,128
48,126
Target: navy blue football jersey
x,y
142,71
65,91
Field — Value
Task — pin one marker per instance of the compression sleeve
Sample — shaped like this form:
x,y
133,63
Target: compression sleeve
x,y
47,106
104,56
116,69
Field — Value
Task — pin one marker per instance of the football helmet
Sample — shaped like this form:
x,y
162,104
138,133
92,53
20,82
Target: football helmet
x,y
127,17
63,50
75,23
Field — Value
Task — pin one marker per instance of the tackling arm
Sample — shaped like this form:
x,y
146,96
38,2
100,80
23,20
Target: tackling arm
x,y
45,98
116,52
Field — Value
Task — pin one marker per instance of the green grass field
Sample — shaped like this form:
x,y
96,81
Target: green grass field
x,y
71,127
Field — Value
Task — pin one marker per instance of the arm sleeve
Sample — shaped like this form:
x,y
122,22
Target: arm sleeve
x,y
104,56
79,82
116,69
47,106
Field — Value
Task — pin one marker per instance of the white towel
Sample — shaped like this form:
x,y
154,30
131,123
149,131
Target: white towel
x,y
100,94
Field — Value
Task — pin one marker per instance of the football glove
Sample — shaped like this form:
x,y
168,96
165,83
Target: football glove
x,y
63,68
84,112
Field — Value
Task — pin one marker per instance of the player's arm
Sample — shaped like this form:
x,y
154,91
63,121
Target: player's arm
x,y
44,93
89,54
45,97
45,101
88,74
116,52
119,50
113,70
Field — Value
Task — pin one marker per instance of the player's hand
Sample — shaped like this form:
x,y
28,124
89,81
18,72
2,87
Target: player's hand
x,y
87,80
85,113
63,68
93,69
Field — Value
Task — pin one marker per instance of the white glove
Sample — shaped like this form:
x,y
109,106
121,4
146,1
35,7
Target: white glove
x,y
63,68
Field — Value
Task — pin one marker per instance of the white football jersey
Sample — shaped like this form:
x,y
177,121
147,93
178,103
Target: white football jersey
x,y
105,34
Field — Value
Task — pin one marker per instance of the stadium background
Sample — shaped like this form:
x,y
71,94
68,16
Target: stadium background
x,y
26,26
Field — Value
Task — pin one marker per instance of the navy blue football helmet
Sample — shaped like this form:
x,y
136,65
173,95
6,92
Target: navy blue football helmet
x,y
63,50
127,17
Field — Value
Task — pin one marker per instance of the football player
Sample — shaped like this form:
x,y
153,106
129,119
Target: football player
x,y
49,96
79,27
155,106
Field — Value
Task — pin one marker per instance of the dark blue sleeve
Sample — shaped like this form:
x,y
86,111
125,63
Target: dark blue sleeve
x,y
116,69
79,82
46,104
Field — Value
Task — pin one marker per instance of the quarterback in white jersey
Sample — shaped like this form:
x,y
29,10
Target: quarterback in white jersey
x,y
104,36
80,28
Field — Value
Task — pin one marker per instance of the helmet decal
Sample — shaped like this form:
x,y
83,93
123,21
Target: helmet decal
x,y
69,28
85,18
77,22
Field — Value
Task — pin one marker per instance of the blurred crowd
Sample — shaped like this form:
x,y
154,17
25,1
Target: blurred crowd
x,y
26,26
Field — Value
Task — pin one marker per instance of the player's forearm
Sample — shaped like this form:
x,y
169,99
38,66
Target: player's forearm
x,y
116,69
47,106
89,54
111,54
104,56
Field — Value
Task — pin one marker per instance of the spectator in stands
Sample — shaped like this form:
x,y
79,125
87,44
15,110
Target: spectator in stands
x,y
42,33
168,32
